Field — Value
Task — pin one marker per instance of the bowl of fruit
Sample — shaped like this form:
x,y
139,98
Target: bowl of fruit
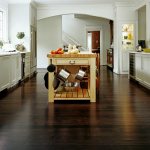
x,y
57,51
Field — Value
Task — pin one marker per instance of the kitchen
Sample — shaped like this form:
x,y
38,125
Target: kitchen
x,y
50,31
119,119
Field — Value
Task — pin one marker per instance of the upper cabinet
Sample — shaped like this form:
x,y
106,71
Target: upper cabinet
x,y
127,37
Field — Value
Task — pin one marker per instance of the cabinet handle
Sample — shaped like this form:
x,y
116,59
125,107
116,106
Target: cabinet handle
x,y
72,62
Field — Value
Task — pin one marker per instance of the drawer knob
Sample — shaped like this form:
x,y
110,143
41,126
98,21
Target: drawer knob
x,y
72,62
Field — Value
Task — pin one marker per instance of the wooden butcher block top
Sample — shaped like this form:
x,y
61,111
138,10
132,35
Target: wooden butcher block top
x,y
66,55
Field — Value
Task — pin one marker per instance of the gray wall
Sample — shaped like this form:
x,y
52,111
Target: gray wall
x,y
49,36
142,23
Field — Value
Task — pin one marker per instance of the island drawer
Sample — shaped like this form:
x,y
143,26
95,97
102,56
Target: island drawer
x,y
80,61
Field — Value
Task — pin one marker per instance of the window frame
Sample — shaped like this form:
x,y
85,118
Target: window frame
x,y
4,24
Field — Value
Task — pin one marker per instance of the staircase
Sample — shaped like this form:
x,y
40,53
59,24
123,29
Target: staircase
x,y
67,39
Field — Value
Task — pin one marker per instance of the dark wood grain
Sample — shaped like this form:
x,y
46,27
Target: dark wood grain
x,y
119,120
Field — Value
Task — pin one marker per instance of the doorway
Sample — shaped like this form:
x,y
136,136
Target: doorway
x,y
93,40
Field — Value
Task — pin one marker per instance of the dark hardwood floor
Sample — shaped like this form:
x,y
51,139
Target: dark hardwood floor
x,y
119,120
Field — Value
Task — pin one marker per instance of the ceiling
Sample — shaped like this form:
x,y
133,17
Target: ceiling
x,y
48,2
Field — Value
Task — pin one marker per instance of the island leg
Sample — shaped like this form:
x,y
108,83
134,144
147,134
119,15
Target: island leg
x,y
50,87
92,80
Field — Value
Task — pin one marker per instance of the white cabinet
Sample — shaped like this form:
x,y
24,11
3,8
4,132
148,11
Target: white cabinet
x,y
145,67
27,65
5,72
142,65
10,68
125,61
15,68
18,67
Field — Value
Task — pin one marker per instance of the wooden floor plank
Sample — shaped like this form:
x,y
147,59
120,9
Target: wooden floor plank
x,y
119,120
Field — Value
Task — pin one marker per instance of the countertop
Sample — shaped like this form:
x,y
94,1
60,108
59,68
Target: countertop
x,y
7,53
79,55
142,53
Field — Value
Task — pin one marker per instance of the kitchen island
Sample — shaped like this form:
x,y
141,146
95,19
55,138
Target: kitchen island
x,y
73,63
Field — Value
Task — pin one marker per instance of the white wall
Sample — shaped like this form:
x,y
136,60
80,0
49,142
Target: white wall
x,y
100,10
76,28
49,36
142,23
4,8
19,21
124,14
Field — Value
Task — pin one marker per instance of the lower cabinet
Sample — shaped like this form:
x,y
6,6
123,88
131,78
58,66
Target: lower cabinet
x,y
27,65
145,67
125,62
10,67
142,71
5,72
15,69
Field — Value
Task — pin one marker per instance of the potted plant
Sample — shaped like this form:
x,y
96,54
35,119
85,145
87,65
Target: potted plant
x,y
20,47
20,35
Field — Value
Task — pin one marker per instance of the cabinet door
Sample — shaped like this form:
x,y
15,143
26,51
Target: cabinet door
x,y
138,67
27,65
13,69
145,65
125,62
5,72
18,61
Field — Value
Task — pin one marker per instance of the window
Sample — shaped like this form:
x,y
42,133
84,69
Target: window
x,y
1,25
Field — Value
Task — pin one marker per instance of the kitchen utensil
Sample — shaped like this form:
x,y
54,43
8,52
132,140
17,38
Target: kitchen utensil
x,y
63,75
80,75
51,67
56,82
46,80
70,86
